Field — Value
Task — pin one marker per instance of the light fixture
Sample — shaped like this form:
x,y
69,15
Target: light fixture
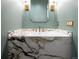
x,y
26,5
52,5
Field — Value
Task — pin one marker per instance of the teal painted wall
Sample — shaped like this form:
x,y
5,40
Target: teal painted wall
x,y
69,10
12,17
27,23
10,20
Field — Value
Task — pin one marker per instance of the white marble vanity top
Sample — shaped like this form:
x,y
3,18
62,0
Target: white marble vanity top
x,y
46,32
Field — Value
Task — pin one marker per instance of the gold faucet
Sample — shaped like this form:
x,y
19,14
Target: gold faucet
x,y
39,28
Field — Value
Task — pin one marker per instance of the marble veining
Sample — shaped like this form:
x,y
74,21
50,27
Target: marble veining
x,y
31,48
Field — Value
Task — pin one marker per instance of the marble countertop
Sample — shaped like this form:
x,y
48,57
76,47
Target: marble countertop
x,y
46,32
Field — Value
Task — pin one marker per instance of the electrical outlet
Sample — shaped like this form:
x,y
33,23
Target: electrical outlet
x,y
69,23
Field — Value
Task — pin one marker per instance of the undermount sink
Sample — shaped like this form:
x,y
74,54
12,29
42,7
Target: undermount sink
x,y
45,32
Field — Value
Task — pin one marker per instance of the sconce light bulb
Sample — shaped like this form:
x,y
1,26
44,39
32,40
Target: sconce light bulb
x,y
26,4
52,5
53,2
25,1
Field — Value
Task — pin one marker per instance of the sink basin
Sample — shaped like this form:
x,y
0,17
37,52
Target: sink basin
x,y
47,32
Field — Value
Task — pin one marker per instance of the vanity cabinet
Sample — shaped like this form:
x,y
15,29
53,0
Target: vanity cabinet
x,y
39,47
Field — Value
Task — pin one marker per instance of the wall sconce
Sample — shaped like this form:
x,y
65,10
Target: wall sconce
x,y
52,5
26,5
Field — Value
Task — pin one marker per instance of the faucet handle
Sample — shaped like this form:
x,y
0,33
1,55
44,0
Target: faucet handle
x,y
42,30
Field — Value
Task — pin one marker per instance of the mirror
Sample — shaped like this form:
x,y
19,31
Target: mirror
x,y
39,10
